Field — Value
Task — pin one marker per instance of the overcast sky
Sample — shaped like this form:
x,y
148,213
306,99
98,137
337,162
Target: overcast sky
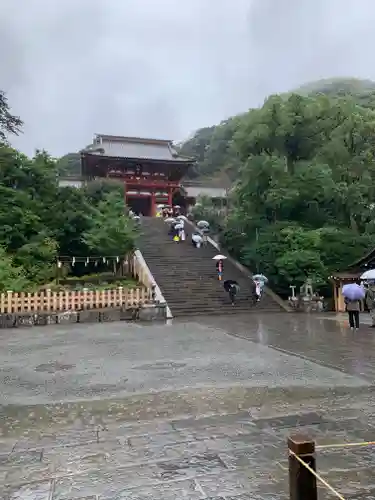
x,y
163,68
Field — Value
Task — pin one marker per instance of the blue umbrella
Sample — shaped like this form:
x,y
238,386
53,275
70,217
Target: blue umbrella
x,y
353,292
260,277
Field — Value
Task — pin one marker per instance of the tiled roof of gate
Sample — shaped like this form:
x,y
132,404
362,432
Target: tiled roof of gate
x,y
135,147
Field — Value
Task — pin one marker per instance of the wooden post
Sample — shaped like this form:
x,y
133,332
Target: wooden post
x,y
302,484
9,306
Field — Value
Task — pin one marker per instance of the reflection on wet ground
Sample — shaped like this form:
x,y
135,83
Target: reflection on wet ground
x,y
198,409
322,340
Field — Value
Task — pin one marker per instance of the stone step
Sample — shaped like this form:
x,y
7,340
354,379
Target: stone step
x,y
199,282
248,302
187,276
207,294
198,295
178,313
223,303
193,269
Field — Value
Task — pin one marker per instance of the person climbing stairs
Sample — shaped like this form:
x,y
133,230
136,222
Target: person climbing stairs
x,y
187,276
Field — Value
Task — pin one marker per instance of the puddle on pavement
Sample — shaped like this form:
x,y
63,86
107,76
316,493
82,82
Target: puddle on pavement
x,y
53,367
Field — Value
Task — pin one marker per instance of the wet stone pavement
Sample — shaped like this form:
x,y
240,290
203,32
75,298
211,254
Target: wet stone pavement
x,y
193,410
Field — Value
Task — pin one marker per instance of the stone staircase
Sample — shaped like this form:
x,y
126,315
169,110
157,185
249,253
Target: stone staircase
x,y
187,275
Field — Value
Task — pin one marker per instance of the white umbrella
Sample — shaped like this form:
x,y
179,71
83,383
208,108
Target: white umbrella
x,y
203,223
181,217
197,238
260,277
368,275
219,257
169,220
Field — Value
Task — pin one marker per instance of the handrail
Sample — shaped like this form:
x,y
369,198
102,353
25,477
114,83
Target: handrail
x,y
140,268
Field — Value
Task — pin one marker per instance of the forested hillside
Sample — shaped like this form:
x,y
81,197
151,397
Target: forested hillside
x,y
69,165
212,146
303,204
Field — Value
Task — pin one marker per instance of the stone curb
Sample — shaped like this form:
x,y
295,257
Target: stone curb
x,y
153,312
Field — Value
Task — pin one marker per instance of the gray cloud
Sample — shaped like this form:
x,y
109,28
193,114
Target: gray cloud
x,y
163,68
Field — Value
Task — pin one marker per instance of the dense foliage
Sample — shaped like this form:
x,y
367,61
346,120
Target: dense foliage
x,y
303,204
302,167
212,147
41,221
69,165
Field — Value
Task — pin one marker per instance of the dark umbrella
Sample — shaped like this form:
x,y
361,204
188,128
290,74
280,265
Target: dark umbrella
x,y
229,283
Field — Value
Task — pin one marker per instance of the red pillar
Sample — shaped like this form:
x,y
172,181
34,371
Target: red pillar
x,y
170,196
125,197
153,204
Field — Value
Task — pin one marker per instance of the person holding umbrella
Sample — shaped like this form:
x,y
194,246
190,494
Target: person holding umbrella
x,y
353,294
219,265
260,280
204,227
369,277
197,240
232,287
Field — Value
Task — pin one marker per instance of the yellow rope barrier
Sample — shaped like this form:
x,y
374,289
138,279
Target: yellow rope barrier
x,y
319,478
345,445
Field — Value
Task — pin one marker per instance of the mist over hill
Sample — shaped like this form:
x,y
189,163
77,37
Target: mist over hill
x,y
211,146
336,86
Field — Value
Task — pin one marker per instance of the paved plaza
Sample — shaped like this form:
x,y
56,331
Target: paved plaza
x,y
194,410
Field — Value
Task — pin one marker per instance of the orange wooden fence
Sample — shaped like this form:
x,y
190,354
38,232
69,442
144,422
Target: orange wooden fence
x,y
11,302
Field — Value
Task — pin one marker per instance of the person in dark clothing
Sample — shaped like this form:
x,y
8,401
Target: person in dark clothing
x,y
254,296
232,287
370,303
353,307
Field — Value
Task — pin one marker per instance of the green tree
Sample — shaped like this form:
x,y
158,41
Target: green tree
x,y
97,190
212,149
306,184
71,217
12,277
204,209
27,191
38,258
196,147
9,124
69,165
112,231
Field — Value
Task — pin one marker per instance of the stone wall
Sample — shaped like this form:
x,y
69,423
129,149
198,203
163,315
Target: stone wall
x,y
152,312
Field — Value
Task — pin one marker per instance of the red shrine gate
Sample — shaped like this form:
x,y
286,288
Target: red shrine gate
x,y
151,169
